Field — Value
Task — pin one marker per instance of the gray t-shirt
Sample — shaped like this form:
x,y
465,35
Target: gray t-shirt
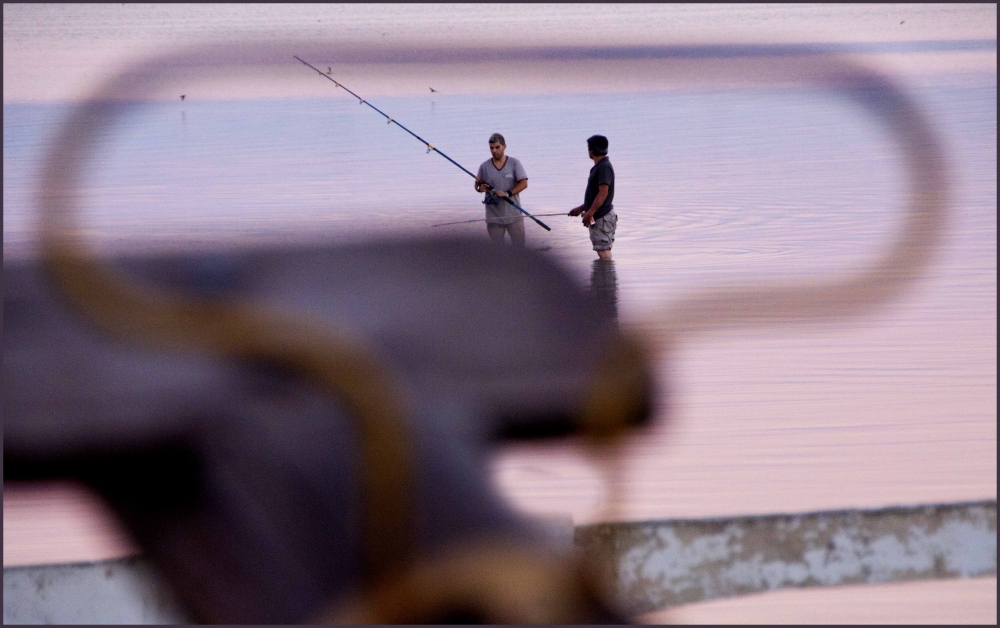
x,y
503,179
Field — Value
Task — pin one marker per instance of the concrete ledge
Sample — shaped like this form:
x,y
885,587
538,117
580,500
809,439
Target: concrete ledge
x,y
121,591
657,564
652,565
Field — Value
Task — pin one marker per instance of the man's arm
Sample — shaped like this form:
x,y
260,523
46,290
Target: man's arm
x,y
521,186
480,185
602,194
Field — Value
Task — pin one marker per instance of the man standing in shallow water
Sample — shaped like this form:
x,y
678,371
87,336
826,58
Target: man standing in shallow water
x,y
598,212
502,176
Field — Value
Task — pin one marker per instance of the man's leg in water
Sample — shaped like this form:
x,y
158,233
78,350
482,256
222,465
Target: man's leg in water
x,y
602,234
516,231
496,232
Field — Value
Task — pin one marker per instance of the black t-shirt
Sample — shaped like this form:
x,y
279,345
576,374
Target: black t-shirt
x,y
601,174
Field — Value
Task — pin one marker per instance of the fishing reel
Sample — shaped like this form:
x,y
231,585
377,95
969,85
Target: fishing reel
x,y
491,197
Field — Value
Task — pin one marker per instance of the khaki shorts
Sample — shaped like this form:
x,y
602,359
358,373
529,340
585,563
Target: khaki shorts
x,y
602,231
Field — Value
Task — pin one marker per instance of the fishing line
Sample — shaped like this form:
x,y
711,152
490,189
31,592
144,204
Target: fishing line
x,y
493,219
430,147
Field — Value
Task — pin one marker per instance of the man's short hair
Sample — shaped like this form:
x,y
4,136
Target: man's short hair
x,y
496,138
598,144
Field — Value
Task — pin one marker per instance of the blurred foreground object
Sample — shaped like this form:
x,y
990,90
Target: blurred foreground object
x,y
246,484
301,434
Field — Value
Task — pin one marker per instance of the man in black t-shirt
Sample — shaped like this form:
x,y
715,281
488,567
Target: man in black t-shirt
x,y
598,212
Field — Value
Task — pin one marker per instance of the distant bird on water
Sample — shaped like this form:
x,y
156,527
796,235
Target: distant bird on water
x,y
434,90
902,22
329,70
182,96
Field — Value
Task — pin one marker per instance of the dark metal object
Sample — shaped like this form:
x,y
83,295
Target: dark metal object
x,y
241,481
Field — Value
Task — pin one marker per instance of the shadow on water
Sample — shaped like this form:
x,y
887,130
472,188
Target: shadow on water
x,y
604,286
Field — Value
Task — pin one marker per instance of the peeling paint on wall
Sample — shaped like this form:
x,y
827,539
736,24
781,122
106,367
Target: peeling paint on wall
x,y
653,565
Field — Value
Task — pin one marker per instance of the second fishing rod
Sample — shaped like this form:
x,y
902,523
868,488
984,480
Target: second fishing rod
x,y
430,147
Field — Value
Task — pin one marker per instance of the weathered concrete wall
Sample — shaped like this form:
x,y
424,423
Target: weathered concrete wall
x,y
658,564
652,564
123,591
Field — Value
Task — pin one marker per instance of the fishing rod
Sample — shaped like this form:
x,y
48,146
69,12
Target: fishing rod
x,y
430,147
494,218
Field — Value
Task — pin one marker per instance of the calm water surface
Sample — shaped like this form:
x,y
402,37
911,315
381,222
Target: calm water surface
x,y
898,407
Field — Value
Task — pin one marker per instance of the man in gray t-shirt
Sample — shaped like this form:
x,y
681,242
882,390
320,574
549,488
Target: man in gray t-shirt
x,y
502,176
